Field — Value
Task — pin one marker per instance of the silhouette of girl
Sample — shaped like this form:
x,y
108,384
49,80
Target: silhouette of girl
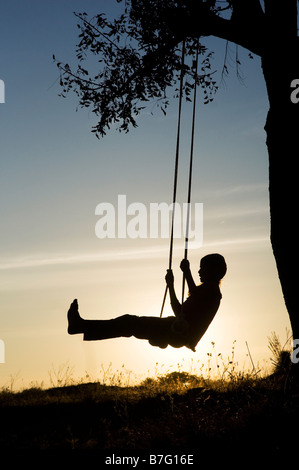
x,y
189,323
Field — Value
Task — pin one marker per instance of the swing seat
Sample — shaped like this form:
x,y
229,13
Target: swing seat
x,y
158,344
180,326
177,345
176,336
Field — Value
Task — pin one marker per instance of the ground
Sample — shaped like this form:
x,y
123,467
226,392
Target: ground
x,y
253,419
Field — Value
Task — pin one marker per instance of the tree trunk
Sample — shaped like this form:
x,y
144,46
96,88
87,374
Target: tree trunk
x,y
272,34
280,62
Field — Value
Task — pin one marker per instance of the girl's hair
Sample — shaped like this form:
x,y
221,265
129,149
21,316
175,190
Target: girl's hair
x,y
217,263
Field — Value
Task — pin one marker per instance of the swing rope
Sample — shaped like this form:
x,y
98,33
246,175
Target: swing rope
x,y
190,168
176,169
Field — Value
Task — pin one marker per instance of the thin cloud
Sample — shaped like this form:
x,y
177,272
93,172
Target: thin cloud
x,y
65,259
237,213
150,252
253,188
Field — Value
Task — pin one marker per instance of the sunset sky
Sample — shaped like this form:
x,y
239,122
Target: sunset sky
x,y
54,173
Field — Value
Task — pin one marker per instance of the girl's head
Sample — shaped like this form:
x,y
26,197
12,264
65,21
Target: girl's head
x,y
212,268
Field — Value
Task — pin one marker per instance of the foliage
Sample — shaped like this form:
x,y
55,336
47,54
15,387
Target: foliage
x,y
174,410
167,413
136,59
61,376
281,359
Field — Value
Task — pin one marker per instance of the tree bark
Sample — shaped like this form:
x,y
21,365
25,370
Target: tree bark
x,y
282,142
280,62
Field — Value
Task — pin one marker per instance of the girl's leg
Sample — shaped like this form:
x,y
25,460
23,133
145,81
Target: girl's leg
x,y
124,326
154,329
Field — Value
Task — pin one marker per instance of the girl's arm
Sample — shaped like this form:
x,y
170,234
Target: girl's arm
x,y
175,304
185,267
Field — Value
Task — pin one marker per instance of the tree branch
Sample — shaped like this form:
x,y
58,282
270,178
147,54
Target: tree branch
x,y
281,18
245,27
233,31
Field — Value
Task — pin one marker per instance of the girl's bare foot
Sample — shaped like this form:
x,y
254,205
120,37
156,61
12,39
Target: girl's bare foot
x,y
75,322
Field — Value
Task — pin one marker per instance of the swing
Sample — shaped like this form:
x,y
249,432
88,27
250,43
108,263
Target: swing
x,y
186,329
195,65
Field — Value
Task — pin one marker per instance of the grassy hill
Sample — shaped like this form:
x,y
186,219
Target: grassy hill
x,y
177,413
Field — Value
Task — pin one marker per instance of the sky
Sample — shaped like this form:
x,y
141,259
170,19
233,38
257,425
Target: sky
x,y
53,175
